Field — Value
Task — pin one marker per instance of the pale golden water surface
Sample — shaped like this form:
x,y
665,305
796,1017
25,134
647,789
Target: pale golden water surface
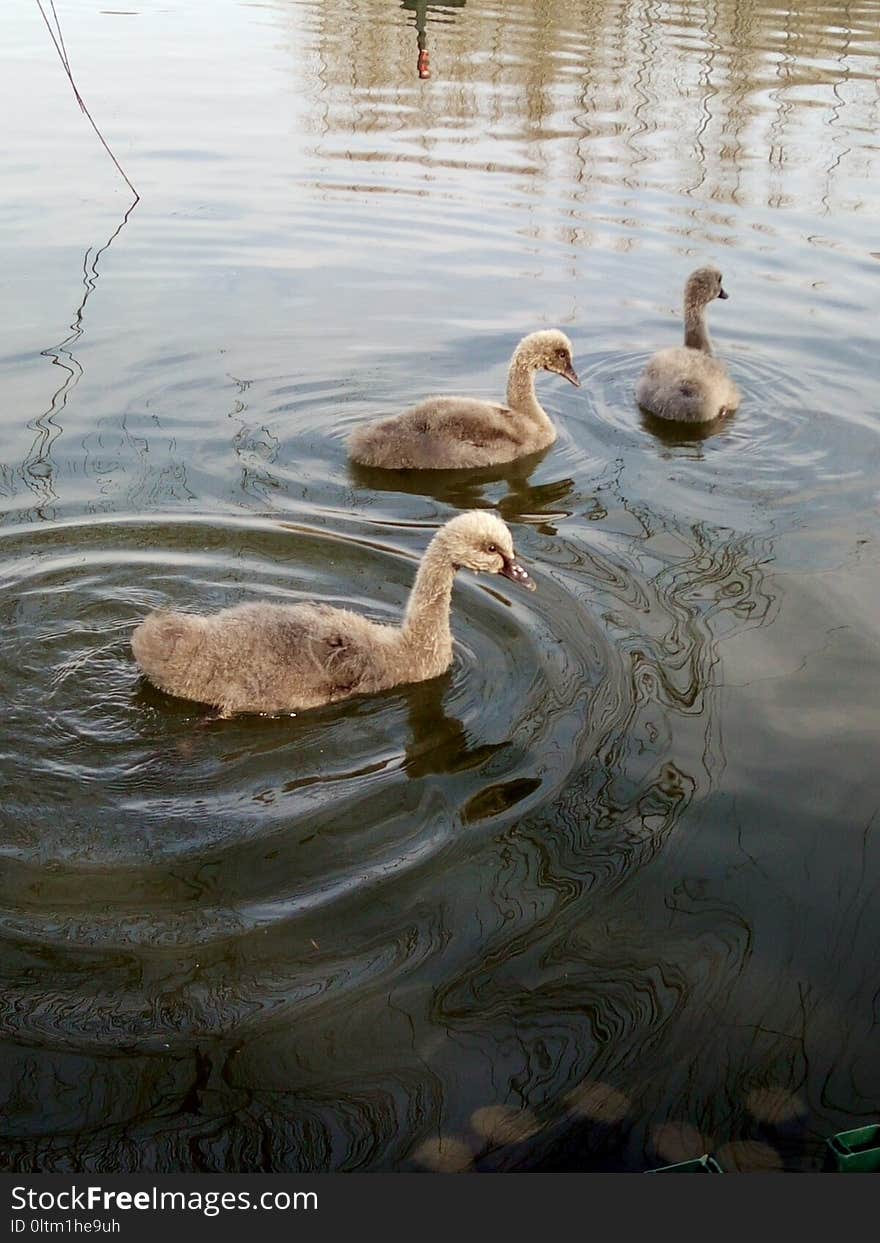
x,y
608,894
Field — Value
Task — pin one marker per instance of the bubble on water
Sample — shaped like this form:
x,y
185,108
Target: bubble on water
x,y
504,1124
678,1141
599,1101
775,1106
444,1154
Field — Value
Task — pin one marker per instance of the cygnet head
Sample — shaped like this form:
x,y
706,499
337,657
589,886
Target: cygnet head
x,y
703,286
481,542
549,350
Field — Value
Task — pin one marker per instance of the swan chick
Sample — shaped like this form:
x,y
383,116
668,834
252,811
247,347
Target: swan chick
x,y
451,433
272,658
687,383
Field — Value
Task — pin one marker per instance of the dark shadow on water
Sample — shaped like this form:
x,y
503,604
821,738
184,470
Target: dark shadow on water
x,y
438,742
675,435
499,798
466,489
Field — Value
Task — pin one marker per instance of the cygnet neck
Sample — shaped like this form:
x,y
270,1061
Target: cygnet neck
x,y
521,387
696,334
426,622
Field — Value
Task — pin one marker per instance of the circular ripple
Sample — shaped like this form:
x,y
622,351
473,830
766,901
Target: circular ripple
x,y
778,451
135,825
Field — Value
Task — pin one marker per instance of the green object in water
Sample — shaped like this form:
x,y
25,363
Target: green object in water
x,y
697,1165
858,1151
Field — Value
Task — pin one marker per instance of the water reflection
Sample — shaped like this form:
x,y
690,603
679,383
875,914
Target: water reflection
x,y
422,10
540,504
684,436
38,469
731,81
439,742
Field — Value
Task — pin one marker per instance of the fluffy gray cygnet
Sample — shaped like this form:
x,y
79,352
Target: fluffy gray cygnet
x,y
271,658
687,384
448,433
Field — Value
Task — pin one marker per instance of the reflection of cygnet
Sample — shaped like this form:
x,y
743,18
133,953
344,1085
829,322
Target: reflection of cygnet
x,y
687,384
445,433
279,658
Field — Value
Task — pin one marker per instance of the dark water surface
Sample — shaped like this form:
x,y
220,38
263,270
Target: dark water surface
x,y
609,892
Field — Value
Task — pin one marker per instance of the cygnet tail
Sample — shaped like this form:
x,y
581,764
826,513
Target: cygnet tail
x,y
684,401
164,644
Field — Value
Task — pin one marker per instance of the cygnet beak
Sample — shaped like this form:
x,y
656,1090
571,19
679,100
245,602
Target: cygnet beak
x,y
515,572
572,376
722,293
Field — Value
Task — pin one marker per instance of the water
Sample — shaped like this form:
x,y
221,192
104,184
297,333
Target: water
x,y
607,893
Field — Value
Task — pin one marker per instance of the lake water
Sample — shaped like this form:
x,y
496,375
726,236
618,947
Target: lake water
x,y
608,894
